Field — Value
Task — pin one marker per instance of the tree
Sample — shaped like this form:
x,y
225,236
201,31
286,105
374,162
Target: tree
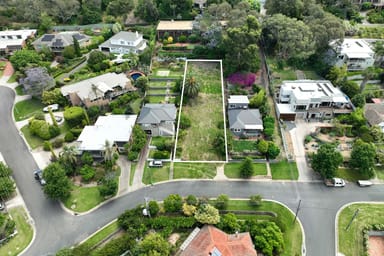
x,y
7,186
207,214
147,10
337,75
87,173
76,47
363,157
189,209
96,60
173,203
192,200
58,186
287,37
267,237
350,88
229,223
64,10
46,23
24,58
358,100
289,8
273,150
327,160
109,187
368,74
120,7
258,99
69,52
53,96
222,202
153,208
246,168
153,244
191,86
37,80
262,146
142,84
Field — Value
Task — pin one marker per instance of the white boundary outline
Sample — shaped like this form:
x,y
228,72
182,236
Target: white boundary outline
x,y
181,106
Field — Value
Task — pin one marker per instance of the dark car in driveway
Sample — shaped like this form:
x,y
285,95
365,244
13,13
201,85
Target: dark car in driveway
x,y
39,176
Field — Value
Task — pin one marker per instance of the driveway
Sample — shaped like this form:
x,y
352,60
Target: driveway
x,y
298,131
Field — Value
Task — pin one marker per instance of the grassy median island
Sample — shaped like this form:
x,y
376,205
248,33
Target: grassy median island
x,y
24,236
351,240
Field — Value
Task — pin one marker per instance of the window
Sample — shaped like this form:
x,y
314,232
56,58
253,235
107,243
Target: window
x,y
301,107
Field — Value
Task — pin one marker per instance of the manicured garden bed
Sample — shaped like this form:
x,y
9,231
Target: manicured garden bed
x,y
284,170
153,175
83,198
27,108
194,171
351,240
232,170
24,236
205,113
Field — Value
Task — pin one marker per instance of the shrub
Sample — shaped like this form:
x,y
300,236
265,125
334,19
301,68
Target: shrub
x,y
40,128
222,202
76,131
47,145
243,79
54,131
108,188
173,203
189,209
207,214
153,208
307,139
192,200
255,200
87,159
193,38
57,143
39,116
69,137
161,154
74,116
87,173
133,155
185,122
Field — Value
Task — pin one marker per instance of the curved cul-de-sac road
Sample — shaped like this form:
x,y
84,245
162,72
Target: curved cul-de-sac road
x,y
55,228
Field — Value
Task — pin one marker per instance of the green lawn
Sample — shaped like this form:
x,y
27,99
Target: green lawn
x,y
194,171
351,240
156,99
24,235
158,84
310,74
19,90
380,172
155,174
132,172
12,79
102,234
156,91
350,175
279,75
232,170
284,170
136,105
241,145
291,232
205,113
27,108
33,141
83,198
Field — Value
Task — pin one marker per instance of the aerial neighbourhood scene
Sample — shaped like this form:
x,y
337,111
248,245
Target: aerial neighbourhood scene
x,y
192,127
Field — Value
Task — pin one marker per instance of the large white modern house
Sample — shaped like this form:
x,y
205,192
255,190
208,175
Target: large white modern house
x,y
310,99
124,42
357,54
13,40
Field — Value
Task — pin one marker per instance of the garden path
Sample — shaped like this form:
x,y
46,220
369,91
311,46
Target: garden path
x,y
220,173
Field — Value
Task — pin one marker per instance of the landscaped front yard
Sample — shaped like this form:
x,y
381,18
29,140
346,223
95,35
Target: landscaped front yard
x,y
351,240
232,170
205,113
27,108
152,175
83,199
284,170
194,171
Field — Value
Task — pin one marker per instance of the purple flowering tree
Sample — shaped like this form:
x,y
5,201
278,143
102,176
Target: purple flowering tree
x,y
242,79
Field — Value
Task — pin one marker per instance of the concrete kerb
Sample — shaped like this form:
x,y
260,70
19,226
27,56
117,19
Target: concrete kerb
x,y
337,221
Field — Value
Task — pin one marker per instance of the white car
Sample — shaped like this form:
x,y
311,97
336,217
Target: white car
x,y
364,183
53,107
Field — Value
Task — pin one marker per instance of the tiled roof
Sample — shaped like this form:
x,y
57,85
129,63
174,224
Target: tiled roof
x,y
211,240
374,113
240,118
157,113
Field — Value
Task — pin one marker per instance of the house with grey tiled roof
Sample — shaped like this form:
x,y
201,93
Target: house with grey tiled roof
x,y
245,122
124,42
374,113
158,119
57,42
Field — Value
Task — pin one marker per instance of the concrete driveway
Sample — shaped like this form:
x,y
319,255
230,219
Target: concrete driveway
x,y
298,131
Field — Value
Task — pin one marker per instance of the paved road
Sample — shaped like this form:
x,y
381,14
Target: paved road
x,y
56,229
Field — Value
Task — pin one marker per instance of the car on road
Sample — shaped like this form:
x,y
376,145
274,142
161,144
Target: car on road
x,y
53,107
39,176
364,183
334,182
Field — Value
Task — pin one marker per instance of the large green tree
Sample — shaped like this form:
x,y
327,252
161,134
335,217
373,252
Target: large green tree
x,y
58,186
246,168
147,10
289,8
173,203
120,7
363,157
153,244
327,160
267,236
22,59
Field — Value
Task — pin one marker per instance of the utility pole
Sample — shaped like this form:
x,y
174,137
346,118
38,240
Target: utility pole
x,y
297,211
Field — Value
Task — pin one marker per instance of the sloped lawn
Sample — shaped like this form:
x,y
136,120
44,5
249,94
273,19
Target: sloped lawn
x,y
27,108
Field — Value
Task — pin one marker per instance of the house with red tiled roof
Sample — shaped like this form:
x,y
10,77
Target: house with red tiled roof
x,y
212,241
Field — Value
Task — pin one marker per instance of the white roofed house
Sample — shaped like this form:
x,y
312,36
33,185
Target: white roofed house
x,y
124,42
357,54
13,40
97,91
116,129
238,101
311,99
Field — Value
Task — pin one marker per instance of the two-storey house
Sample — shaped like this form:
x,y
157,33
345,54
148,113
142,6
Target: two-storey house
x,y
124,42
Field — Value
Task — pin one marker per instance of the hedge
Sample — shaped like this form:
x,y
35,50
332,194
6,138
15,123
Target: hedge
x,y
74,116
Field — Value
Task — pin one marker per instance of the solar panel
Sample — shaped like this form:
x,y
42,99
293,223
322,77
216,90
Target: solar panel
x,y
78,36
47,38
58,42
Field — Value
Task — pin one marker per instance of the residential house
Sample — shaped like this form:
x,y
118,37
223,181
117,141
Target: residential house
x,y
116,129
238,101
201,4
57,42
309,99
97,91
124,42
13,40
245,122
357,54
374,113
212,241
174,28
158,119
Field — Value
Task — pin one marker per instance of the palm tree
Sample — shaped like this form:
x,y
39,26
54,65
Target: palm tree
x,y
68,157
191,87
109,152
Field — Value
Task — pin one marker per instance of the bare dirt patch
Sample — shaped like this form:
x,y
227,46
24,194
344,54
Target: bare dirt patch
x,y
173,238
376,246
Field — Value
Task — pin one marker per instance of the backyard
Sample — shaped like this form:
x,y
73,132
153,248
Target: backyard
x,y
351,240
205,113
